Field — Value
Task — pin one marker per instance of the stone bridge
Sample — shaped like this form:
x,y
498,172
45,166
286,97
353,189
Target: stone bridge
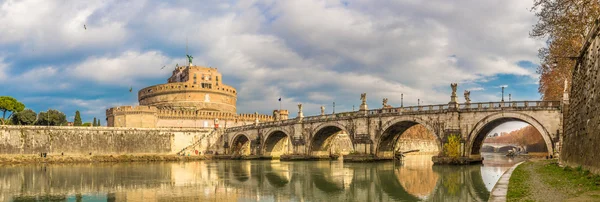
x,y
375,132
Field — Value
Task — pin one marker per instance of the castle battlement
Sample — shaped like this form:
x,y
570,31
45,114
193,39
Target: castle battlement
x,y
131,109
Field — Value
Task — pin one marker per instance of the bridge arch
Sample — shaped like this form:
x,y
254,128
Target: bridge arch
x,y
393,129
323,136
240,144
276,143
488,123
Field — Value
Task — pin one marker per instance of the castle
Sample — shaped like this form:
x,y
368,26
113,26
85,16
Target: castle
x,y
193,97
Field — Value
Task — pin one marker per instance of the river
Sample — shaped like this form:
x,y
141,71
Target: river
x,y
415,179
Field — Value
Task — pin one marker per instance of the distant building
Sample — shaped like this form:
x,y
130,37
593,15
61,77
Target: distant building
x,y
70,124
193,97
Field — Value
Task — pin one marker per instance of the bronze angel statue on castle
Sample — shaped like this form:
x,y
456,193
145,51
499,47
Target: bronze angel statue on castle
x,y
189,59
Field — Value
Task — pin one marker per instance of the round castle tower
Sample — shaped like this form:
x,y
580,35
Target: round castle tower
x,y
193,96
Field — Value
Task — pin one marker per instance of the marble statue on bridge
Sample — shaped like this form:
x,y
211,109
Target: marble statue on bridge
x,y
467,97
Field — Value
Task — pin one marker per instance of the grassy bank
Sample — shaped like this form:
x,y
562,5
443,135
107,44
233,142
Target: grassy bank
x,y
25,159
544,180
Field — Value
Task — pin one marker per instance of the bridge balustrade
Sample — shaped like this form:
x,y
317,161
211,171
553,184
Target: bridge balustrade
x,y
481,106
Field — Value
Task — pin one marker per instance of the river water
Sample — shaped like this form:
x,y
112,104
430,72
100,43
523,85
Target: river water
x,y
414,179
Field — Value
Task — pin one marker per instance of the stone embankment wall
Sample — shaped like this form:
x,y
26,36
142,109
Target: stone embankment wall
x,y
581,138
97,140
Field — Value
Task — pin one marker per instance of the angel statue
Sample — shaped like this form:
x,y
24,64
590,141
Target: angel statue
x,y
322,110
189,58
385,100
453,86
299,107
363,97
467,96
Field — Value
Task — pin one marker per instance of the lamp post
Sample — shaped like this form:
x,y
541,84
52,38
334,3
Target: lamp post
x,y
418,102
509,97
402,100
502,93
333,107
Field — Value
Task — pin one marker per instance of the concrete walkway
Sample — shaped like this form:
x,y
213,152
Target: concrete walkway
x,y
498,193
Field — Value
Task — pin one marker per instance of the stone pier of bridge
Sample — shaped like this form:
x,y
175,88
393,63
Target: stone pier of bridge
x,y
374,133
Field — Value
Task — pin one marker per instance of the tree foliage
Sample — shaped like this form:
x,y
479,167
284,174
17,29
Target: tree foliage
x,y
77,119
9,104
565,24
527,136
452,147
94,123
25,117
52,117
87,124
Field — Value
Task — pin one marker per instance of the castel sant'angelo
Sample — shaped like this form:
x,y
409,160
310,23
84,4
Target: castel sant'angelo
x,y
193,96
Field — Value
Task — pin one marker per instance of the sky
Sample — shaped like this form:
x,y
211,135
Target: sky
x,y
313,52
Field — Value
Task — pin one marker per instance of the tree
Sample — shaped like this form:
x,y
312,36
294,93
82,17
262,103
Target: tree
x,y
99,124
9,104
52,117
25,117
77,120
87,124
564,23
94,123
452,147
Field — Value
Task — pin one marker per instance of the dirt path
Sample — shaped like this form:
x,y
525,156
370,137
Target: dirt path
x,y
542,191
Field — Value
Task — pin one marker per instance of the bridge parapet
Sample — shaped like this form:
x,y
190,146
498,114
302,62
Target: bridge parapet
x,y
411,110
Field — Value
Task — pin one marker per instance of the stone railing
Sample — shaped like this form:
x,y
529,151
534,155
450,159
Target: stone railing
x,y
422,109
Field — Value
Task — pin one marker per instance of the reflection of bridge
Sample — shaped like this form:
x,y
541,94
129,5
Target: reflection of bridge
x,y
236,180
375,131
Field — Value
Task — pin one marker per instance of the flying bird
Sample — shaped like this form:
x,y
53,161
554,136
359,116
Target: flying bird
x,y
163,67
84,27
130,89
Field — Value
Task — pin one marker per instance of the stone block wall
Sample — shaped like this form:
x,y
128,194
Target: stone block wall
x,y
95,140
581,138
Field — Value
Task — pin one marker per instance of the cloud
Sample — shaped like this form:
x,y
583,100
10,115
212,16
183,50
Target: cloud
x,y
124,69
3,70
306,51
476,89
53,26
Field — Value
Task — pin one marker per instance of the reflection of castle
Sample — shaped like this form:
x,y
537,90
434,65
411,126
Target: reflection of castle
x,y
193,97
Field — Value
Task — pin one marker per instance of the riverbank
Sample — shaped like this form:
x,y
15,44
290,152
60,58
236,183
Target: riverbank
x,y
545,180
30,159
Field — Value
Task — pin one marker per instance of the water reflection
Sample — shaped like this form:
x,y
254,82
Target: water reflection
x,y
414,179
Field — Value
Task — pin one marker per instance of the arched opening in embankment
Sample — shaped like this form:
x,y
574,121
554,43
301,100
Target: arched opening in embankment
x,y
501,133
406,135
276,144
240,146
330,140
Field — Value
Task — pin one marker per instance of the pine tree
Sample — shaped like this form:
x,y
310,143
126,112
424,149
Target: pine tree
x,y
94,123
99,123
77,121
